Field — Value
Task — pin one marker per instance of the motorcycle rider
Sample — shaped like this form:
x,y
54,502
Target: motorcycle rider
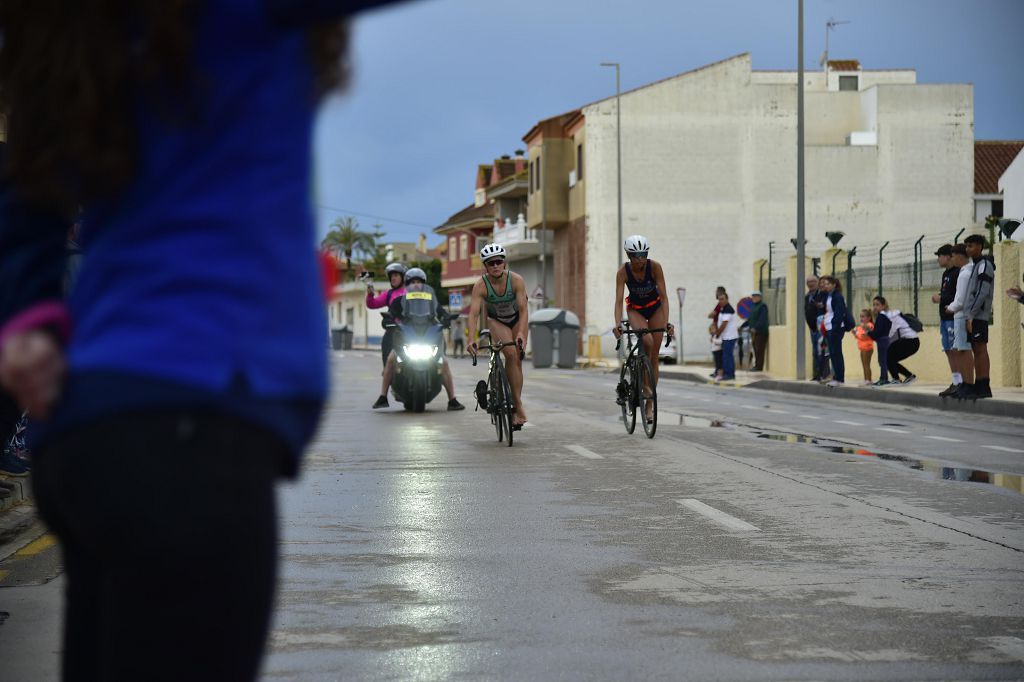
x,y
395,273
415,280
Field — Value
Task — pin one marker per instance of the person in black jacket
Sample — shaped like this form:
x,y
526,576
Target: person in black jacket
x,y
945,296
881,336
813,306
837,323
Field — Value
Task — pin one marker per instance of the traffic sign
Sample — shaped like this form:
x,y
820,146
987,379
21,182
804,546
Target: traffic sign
x,y
455,301
744,306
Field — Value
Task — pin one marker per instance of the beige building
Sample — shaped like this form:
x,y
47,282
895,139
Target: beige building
x,y
709,176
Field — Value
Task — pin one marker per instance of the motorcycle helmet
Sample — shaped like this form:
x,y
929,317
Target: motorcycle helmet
x,y
414,274
394,267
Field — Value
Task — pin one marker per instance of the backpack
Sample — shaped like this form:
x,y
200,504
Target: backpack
x,y
912,322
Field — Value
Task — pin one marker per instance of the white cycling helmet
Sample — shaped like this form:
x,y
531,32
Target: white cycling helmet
x,y
636,244
394,267
492,251
415,273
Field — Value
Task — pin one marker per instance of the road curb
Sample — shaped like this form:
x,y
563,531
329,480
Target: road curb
x,y
988,406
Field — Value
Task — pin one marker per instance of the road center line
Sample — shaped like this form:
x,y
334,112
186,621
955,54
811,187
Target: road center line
x,y
886,428
1000,447
943,438
718,516
580,450
809,416
840,421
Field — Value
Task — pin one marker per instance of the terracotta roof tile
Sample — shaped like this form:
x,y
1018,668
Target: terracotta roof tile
x,y
843,65
991,159
470,213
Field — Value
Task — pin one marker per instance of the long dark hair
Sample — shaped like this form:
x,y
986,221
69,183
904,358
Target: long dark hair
x,y
70,73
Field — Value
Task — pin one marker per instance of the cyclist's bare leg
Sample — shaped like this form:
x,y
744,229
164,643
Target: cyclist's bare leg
x,y
659,320
513,366
446,379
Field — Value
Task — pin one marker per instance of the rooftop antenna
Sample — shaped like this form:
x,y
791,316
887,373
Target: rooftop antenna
x,y
830,26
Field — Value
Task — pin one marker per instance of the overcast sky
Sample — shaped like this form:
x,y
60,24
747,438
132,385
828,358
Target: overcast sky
x,y
443,85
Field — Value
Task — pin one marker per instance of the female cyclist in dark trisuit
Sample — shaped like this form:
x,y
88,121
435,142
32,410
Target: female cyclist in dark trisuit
x,y
646,305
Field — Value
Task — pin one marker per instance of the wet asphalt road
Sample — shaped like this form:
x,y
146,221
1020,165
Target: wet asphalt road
x,y
417,547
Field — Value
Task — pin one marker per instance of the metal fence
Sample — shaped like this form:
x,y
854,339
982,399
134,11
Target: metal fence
x,y
906,286
774,296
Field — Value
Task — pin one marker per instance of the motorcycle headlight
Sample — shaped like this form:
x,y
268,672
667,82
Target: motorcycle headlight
x,y
420,351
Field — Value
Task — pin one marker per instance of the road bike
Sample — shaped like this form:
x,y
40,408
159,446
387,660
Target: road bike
x,y
636,388
495,395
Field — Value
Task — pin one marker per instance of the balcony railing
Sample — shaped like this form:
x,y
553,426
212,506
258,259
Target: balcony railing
x,y
513,233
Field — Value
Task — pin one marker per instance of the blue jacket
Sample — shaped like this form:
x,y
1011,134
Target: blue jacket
x,y
841,320
199,285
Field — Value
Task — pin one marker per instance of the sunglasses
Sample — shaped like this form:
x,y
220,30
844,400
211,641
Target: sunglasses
x,y
642,254
495,261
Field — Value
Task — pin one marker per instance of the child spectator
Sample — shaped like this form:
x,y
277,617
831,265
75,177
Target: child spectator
x,y
880,334
865,344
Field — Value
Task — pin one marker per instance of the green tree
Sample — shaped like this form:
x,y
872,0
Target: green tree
x,y
345,237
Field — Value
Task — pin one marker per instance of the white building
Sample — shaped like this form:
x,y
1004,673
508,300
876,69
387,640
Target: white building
x,y
709,173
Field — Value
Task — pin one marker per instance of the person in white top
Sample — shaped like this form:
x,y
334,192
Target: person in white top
x,y
728,330
903,342
963,356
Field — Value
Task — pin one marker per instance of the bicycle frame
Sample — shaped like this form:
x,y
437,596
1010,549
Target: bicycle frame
x,y
500,403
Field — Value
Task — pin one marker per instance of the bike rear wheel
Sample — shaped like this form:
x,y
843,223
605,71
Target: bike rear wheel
x,y
627,396
648,403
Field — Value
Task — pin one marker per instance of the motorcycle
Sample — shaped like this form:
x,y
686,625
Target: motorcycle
x,y
419,350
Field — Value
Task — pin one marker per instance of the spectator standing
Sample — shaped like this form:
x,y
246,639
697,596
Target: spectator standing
x,y
903,342
947,291
728,330
978,312
963,358
837,323
191,375
813,307
880,334
758,324
458,337
716,341
865,344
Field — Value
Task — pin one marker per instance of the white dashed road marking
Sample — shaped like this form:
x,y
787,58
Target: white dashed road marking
x,y
1000,447
886,428
840,421
580,450
809,416
718,516
947,440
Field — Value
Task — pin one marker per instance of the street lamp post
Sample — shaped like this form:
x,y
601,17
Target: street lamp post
x,y
618,157
801,338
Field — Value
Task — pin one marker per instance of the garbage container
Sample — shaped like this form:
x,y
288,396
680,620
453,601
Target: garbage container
x,y
554,329
341,338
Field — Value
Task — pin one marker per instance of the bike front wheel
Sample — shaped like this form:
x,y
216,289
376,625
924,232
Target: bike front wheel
x,y
497,406
507,412
626,397
648,392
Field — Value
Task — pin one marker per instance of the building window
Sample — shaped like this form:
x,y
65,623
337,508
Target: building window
x,y
350,314
453,253
847,83
530,170
579,162
464,246
997,208
536,173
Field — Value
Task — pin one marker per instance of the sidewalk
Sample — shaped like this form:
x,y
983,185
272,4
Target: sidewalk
x,y
1006,402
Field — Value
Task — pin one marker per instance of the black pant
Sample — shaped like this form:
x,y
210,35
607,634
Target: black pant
x,y
385,345
168,525
899,350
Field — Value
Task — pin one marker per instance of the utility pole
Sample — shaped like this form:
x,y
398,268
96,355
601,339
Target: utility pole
x,y
618,157
801,337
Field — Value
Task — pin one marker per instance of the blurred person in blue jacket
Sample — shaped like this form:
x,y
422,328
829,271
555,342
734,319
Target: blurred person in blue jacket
x,y
185,372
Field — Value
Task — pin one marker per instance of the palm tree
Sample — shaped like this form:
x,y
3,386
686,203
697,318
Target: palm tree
x,y
345,237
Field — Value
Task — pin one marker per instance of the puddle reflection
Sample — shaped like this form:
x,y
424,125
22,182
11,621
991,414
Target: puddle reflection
x,y
1011,482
